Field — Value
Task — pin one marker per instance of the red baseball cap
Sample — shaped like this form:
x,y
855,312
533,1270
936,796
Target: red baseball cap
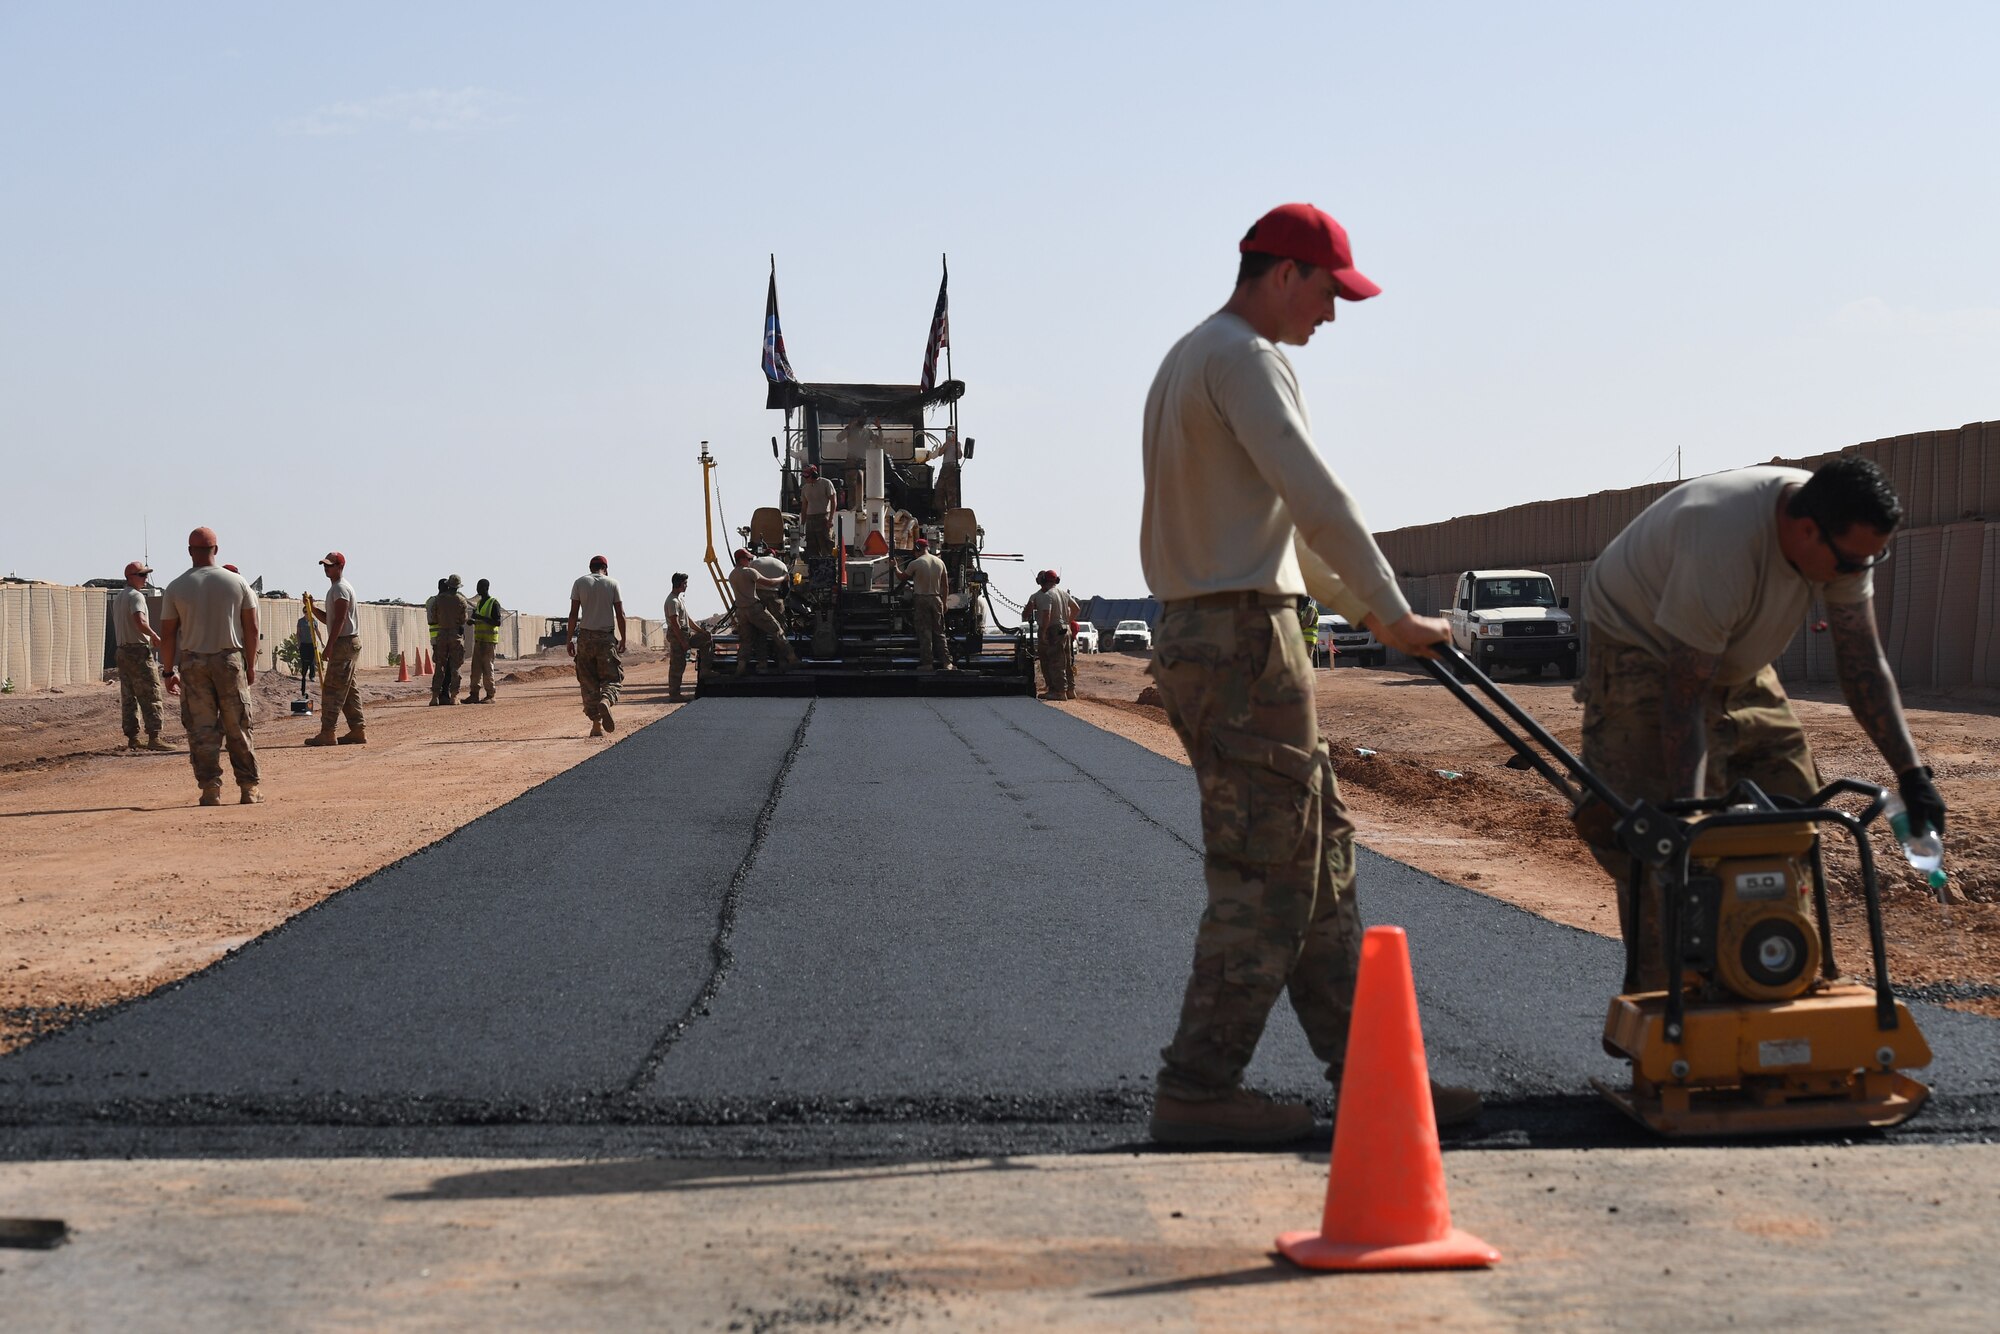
x,y
596,561
334,558
1303,233
137,567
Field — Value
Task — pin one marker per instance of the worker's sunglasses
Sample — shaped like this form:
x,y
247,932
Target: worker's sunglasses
x,y
1846,564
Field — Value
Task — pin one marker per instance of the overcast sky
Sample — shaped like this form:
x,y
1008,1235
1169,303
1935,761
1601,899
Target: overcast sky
x,y
460,287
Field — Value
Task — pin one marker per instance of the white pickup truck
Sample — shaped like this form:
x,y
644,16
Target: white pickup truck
x,y
1502,618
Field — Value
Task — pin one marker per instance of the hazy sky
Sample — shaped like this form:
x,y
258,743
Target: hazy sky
x,y
460,287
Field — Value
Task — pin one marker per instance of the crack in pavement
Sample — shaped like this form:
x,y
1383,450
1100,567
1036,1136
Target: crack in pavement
x,y
1114,793
721,957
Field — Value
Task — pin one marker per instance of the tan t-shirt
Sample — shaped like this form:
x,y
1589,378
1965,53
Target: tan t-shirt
x,y
926,575
1701,565
743,583
598,596
1051,608
677,614
208,604
339,590
817,495
128,604
1231,471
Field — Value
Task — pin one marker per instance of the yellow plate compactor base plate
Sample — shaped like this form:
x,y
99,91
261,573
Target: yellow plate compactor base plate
x,y
1814,1063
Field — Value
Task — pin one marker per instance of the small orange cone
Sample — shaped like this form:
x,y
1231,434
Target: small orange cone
x,y
428,669
1385,1193
403,666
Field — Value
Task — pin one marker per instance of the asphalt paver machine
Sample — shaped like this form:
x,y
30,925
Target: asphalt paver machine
x,y
895,455
1756,1031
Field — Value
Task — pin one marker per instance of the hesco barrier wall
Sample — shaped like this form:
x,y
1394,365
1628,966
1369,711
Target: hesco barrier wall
x,y
53,635
1937,601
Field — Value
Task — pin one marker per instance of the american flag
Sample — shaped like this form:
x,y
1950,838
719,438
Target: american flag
x,y
940,333
777,366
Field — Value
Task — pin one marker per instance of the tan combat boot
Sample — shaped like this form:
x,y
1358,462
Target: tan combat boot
x,y
1238,1117
250,796
323,739
211,794
153,742
131,743
610,723
596,728
356,737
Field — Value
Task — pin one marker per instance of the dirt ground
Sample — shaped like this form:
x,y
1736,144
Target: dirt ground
x,y
114,882
1505,833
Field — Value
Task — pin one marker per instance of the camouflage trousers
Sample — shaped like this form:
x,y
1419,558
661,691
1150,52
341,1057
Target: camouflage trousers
x,y
599,673
1752,733
931,647
139,690
447,656
1053,650
759,635
337,692
480,674
216,710
1279,860
677,661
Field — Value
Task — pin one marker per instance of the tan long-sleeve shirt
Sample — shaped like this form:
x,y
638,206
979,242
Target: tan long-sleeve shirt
x,y
1231,473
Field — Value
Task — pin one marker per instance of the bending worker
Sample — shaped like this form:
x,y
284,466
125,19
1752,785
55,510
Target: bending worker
x,y
757,630
1231,475
1687,609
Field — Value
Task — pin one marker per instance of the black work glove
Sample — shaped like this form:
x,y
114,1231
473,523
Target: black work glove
x,y
1921,799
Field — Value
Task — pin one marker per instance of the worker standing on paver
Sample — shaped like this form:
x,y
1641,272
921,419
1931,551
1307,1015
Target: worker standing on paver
x,y
447,624
208,646
680,638
930,585
1230,471
1051,610
597,644
817,498
486,618
1688,608
139,683
338,693
757,631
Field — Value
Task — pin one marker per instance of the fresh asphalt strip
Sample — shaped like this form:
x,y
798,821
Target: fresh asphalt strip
x,y
779,927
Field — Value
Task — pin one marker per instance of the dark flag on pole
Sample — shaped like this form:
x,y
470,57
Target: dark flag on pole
x,y
777,366
940,333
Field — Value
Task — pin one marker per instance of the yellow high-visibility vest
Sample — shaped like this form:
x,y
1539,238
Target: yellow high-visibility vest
x,y
483,630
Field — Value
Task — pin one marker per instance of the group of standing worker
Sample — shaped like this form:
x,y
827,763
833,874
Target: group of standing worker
x,y
1243,519
447,612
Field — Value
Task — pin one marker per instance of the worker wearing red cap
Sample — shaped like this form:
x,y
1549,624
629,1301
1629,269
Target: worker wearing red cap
x,y
758,632
817,498
338,695
139,684
598,642
208,646
1049,613
930,585
1231,474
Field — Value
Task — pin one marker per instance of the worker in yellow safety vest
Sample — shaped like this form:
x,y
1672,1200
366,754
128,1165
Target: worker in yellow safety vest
x,y
486,615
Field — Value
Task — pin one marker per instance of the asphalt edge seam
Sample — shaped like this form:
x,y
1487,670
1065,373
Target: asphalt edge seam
x,y
1115,794
721,957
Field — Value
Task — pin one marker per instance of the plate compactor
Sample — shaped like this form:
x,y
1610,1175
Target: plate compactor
x,y
1756,1032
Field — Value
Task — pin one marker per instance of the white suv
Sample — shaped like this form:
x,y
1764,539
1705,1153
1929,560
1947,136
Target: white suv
x,y
1086,637
1131,634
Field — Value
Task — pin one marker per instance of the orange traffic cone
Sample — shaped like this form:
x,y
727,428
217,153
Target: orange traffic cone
x,y
1385,1193
428,669
403,666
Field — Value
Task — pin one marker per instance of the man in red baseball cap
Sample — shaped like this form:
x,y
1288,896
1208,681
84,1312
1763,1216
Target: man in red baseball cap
x,y
1233,483
338,695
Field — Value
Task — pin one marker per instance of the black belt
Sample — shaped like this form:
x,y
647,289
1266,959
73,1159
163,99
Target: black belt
x,y
1246,600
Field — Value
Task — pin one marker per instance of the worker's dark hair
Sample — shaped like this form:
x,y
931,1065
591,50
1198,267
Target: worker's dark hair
x,y
485,585
1845,491
443,584
679,579
1255,264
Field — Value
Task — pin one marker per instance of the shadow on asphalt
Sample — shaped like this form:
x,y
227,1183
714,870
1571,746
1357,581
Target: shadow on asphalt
x,y
648,1175
1278,1271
